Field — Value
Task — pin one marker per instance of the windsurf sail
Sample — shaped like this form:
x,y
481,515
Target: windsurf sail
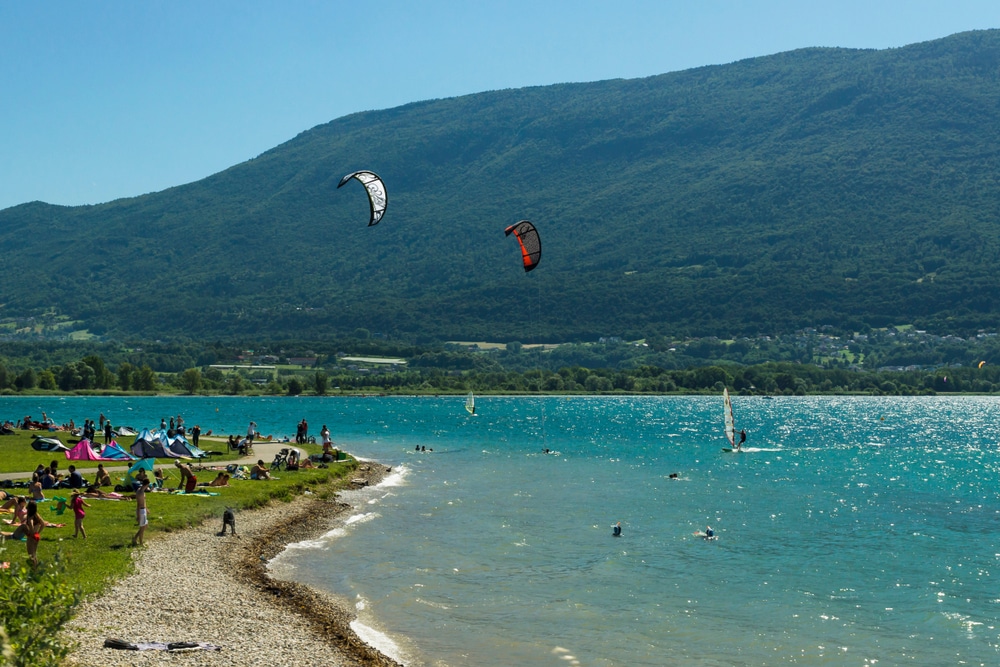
x,y
730,423
470,403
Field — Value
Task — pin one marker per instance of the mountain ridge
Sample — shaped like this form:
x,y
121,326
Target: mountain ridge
x,y
817,186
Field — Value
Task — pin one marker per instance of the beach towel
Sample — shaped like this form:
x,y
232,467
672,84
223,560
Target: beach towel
x,y
60,507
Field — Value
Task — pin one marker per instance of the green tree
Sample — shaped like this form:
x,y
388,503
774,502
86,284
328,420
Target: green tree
x,y
47,380
294,386
320,383
144,379
191,380
234,383
76,375
125,371
103,379
26,379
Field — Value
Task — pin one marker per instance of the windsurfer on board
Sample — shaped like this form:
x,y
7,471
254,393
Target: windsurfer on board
x,y
743,438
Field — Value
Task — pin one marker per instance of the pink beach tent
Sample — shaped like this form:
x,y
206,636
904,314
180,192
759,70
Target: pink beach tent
x,y
82,451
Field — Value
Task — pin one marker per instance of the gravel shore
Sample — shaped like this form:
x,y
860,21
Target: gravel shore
x,y
196,586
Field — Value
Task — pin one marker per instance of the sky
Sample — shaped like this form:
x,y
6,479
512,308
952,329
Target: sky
x,y
103,99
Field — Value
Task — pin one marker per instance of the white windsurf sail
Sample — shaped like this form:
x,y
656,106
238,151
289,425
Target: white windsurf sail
x,y
470,403
730,423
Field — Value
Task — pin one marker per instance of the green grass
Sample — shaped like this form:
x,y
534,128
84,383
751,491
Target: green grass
x,y
105,556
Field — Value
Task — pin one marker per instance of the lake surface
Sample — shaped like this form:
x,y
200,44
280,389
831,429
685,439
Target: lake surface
x,y
855,531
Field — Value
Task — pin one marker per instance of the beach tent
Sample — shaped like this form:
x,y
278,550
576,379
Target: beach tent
x,y
114,452
151,445
196,452
177,443
48,445
82,452
141,464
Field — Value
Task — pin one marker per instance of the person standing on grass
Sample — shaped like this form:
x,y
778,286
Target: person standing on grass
x,y
32,530
141,514
77,503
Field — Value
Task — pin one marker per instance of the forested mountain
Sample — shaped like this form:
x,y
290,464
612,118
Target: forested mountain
x,y
814,187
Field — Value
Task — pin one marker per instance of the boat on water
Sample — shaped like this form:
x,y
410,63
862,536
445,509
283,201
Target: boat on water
x,y
470,403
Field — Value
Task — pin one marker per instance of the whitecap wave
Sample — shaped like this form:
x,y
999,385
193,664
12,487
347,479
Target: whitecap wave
x,y
377,640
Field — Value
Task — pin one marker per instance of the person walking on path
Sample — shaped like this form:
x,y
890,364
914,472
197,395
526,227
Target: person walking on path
x,y
251,432
141,514
77,503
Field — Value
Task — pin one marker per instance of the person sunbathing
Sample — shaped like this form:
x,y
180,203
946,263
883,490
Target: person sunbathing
x,y
222,479
93,491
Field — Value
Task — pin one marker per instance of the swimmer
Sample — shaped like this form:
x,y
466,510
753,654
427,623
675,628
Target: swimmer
x,y
709,534
616,530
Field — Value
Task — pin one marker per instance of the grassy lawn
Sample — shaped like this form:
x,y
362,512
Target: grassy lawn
x,y
17,455
105,556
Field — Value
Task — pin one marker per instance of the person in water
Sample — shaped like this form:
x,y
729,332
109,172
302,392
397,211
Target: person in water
x,y
616,530
709,533
743,438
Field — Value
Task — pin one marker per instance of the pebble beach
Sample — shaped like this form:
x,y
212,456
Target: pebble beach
x,y
197,586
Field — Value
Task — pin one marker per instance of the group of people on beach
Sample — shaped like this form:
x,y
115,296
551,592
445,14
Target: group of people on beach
x,y
27,524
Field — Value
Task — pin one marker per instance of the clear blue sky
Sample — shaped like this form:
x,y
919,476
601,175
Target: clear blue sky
x,y
114,98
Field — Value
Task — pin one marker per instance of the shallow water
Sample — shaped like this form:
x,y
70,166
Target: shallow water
x,y
855,531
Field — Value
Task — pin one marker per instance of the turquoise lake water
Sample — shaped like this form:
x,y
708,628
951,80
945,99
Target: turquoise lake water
x,y
855,531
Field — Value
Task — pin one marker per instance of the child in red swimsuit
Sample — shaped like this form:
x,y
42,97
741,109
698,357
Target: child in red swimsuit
x,y
77,503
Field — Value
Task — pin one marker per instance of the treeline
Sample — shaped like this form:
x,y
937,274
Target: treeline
x,y
90,374
769,379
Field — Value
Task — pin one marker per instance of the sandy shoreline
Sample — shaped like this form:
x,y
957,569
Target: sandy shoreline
x,y
196,586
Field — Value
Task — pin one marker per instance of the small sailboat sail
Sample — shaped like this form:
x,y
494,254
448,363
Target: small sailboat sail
x,y
470,403
730,422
